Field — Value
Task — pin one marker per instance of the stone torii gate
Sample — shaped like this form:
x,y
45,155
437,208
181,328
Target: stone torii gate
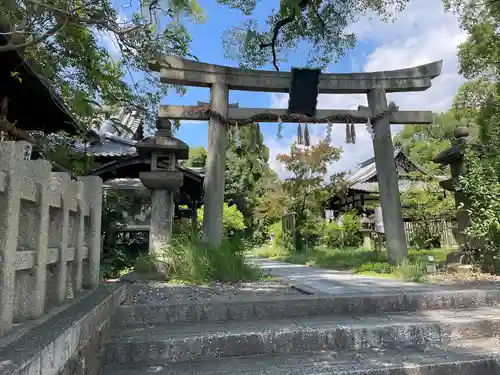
x,y
221,79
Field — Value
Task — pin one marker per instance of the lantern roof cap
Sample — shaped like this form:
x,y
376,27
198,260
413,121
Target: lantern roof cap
x,y
163,142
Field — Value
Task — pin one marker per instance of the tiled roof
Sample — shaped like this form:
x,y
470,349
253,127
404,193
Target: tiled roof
x,y
114,135
372,187
107,147
366,170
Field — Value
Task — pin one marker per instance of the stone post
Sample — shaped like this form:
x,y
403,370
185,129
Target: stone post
x,y
42,241
397,250
77,272
10,205
215,166
93,192
162,180
60,182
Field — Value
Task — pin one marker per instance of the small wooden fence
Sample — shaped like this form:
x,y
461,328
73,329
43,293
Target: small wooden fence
x,y
444,228
50,235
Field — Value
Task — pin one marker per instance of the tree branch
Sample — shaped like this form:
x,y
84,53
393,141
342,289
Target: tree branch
x,y
279,25
302,4
51,32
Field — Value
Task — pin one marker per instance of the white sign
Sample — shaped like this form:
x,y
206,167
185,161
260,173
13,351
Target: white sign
x,y
379,220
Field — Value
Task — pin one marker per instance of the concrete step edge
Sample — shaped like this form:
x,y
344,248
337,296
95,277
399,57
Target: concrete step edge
x,y
282,308
465,358
197,346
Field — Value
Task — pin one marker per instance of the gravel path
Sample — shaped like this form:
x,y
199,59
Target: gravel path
x,y
158,292
468,279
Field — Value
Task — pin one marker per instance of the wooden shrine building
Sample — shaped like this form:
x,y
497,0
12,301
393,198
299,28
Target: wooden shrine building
x,y
118,163
30,103
362,193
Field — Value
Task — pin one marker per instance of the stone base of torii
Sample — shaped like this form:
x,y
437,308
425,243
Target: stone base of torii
x,y
221,79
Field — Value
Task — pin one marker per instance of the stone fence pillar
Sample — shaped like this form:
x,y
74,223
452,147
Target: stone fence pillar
x,y
50,230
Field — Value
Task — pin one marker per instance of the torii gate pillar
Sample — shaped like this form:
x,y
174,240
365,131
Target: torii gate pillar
x,y
215,167
397,249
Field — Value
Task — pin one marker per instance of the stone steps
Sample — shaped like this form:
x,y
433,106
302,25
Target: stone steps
x,y
188,342
427,331
158,312
469,357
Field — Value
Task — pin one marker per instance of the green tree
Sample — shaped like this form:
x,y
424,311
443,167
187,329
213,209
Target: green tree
x,y
271,199
471,97
306,190
63,41
479,55
247,161
422,143
321,24
479,101
197,157
481,185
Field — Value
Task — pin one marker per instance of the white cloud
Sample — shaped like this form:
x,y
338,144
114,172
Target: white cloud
x,y
422,33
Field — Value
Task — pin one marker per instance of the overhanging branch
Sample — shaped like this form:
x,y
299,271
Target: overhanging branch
x,y
302,4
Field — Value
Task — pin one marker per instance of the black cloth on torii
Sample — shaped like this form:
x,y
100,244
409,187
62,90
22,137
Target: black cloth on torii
x,y
304,91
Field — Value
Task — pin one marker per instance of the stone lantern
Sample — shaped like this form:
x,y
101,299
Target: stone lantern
x,y
366,230
454,157
163,180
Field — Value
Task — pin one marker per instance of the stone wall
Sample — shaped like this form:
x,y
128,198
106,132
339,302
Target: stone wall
x,y
65,342
50,236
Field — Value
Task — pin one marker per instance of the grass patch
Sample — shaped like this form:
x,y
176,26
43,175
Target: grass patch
x,y
199,263
360,261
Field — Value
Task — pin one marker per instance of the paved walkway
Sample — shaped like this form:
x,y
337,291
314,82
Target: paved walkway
x,y
324,281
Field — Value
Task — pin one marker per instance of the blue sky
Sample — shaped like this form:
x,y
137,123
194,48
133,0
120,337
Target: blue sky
x,y
207,47
420,34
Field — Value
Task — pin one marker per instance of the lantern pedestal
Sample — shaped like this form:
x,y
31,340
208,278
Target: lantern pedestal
x,y
162,185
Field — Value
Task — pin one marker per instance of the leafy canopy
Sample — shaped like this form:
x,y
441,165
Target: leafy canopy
x,y
247,161
321,24
66,44
421,143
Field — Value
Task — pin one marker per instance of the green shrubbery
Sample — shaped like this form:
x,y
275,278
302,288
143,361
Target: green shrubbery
x,y
347,234
191,260
187,258
196,262
480,183
119,249
199,262
233,222
276,230
317,232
